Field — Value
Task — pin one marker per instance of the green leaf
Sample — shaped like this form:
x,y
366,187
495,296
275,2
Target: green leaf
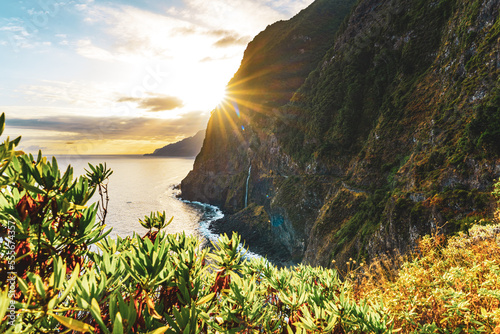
x,y
59,272
31,188
160,330
38,283
4,302
16,141
2,123
112,306
83,303
101,236
23,286
117,324
216,258
73,324
71,283
206,299
96,314
52,303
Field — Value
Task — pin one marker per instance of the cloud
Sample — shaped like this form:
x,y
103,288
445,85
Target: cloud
x,y
247,17
127,33
232,40
34,148
221,32
178,31
212,59
15,29
288,7
77,128
22,34
86,49
155,103
96,95
187,30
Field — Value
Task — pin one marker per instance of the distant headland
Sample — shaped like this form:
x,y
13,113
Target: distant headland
x,y
188,147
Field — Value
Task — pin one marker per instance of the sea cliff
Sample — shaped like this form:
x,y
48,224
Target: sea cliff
x,y
354,128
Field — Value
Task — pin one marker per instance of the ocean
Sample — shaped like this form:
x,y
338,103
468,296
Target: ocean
x,y
140,185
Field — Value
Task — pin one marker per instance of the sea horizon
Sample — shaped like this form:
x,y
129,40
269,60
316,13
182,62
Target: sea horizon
x,y
145,155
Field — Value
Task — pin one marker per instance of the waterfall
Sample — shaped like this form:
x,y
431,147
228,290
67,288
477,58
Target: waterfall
x,y
246,190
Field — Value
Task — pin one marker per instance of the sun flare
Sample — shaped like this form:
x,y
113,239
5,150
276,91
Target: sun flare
x,y
202,88
210,96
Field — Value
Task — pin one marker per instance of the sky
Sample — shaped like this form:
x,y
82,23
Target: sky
x,y
122,76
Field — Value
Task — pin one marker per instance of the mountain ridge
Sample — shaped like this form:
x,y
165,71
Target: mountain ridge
x,y
187,147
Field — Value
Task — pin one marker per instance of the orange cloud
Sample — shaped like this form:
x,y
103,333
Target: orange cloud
x,y
155,103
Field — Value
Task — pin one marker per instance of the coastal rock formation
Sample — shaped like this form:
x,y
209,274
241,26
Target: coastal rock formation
x,y
366,124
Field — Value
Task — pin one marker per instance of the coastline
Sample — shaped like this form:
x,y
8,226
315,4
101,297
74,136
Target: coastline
x,y
211,220
255,234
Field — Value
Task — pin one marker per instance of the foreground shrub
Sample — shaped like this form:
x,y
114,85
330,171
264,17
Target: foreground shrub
x,y
451,286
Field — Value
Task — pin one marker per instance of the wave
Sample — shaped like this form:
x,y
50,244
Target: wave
x,y
209,214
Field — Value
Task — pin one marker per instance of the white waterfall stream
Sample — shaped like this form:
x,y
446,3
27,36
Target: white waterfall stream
x,y
246,190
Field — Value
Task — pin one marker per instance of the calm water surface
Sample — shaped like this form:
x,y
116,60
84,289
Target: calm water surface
x,y
140,185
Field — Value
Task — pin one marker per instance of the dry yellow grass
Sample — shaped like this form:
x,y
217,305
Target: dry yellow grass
x,y
449,285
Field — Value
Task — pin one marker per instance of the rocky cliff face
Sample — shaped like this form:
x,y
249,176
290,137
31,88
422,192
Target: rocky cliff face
x,y
359,128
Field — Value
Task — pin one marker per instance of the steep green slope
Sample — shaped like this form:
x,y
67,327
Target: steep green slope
x,y
278,60
394,132
408,126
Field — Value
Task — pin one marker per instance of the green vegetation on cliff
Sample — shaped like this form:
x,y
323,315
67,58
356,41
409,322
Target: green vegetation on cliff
x,y
395,118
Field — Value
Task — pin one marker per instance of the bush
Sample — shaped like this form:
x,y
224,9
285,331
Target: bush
x,y
450,286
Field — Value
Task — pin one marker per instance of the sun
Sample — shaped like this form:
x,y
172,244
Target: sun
x,y
200,89
201,85
212,96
